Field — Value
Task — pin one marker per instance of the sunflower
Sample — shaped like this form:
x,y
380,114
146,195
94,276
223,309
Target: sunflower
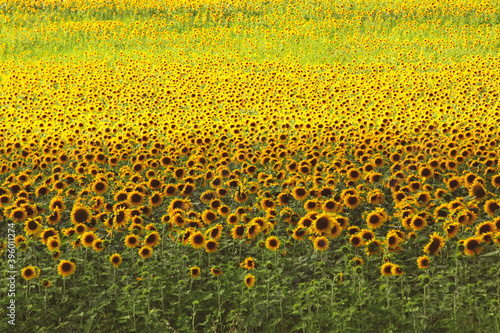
x,y
299,233
99,187
252,230
145,252
80,229
135,198
249,263
356,241
397,270
98,245
238,231
418,223
30,272
170,191
116,259
46,283
335,230
352,201
215,232
423,262
32,227
436,243
197,240
478,191
209,216
18,214
321,243
80,214
47,233
495,181
374,220
121,218
152,239
491,206
472,246
392,240
485,227
66,268
250,280
57,202
53,243
300,193
273,243
353,174
232,219
240,197
131,241
357,262
386,269
88,238
211,246
322,224
156,199
195,272
451,230
373,247
366,235
216,271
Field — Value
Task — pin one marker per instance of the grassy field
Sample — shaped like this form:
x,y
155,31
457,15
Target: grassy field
x,y
249,166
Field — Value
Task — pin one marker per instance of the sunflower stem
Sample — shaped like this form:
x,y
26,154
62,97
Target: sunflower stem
x,y
219,314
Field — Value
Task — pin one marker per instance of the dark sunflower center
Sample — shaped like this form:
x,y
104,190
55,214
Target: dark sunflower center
x,y
321,243
478,191
240,231
211,245
210,216
355,241
273,243
352,200
29,272
151,239
66,267
418,222
434,245
81,215
120,217
484,229
322,223
89,239
471,245
198,239
136,197
18,214
32,225
99,186
374,219
300,192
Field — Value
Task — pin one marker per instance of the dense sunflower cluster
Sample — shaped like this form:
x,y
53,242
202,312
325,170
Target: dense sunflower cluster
x,y
113,154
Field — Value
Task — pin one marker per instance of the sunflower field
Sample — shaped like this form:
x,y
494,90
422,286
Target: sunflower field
x,y
249,166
